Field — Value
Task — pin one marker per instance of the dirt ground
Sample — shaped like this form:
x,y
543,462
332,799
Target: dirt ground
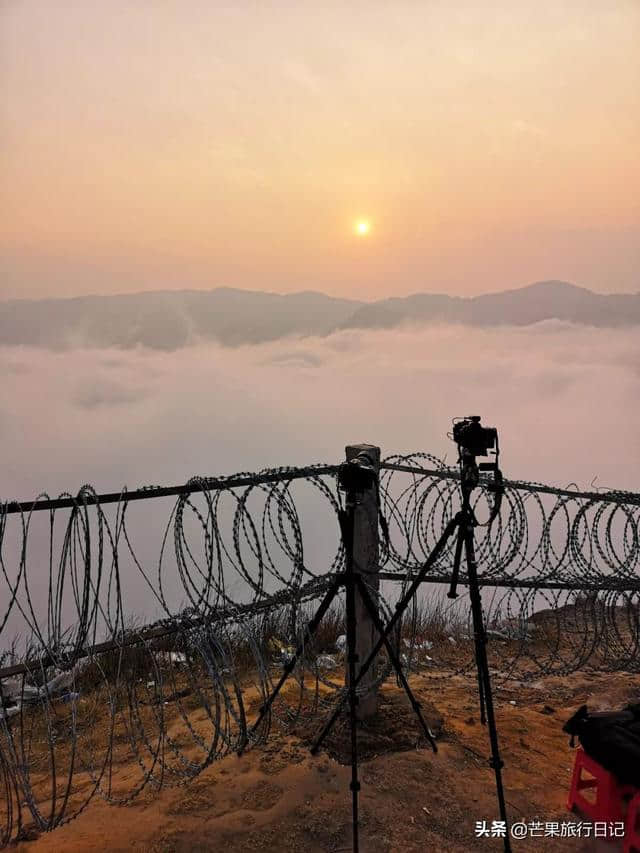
x,y
280,798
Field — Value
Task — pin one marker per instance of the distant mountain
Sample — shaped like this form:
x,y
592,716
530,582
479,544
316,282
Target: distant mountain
x,y
168,320
544,300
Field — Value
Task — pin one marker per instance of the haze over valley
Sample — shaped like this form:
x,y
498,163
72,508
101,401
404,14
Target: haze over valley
x,y
136,390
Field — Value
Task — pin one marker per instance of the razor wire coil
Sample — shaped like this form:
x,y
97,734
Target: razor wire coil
x,y
241,565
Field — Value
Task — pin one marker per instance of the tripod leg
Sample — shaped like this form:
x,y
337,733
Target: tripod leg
x,y
375,618
484,679
290,666
456,565
350,607
400,608
481,689
454,594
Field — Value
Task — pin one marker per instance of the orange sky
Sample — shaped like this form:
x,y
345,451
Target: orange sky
x,y
163,144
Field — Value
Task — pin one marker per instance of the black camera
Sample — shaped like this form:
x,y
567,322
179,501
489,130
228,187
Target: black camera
x,y
469,435
358,474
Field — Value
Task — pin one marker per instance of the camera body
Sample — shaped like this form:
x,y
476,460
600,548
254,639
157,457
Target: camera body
x,y
473,438
358,474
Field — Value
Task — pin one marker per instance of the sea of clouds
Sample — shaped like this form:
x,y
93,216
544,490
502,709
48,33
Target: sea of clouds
x,y
566,400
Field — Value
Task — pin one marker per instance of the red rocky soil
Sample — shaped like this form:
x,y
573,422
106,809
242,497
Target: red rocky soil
x,y
280,798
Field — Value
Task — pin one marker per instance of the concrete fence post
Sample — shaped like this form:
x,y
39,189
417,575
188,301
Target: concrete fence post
x,y
365,563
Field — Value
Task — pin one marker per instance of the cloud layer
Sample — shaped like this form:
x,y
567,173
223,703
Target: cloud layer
x,y
564,398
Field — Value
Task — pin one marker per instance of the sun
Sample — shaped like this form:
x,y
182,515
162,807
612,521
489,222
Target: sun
x,y
362,227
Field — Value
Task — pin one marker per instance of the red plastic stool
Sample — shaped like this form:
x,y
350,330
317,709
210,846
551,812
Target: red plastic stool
x,y
609,802
632,826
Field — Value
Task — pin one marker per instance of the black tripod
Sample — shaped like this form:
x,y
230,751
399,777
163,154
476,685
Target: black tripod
x,y
464,523
354,478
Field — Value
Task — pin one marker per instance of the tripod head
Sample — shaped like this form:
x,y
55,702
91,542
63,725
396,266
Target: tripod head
x,y
475,440
357,475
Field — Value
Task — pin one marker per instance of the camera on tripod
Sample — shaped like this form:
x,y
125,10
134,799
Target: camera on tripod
x,y
358,474
477,440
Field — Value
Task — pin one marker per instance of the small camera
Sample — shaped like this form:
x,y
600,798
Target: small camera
x,y
358,474
477,440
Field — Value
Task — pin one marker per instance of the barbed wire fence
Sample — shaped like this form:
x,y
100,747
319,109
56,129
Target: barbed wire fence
x,y
86,689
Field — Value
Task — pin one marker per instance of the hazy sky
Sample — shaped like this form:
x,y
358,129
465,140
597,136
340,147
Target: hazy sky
x,y
162,144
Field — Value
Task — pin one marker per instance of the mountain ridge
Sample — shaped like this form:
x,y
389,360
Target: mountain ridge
x,y
171,319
